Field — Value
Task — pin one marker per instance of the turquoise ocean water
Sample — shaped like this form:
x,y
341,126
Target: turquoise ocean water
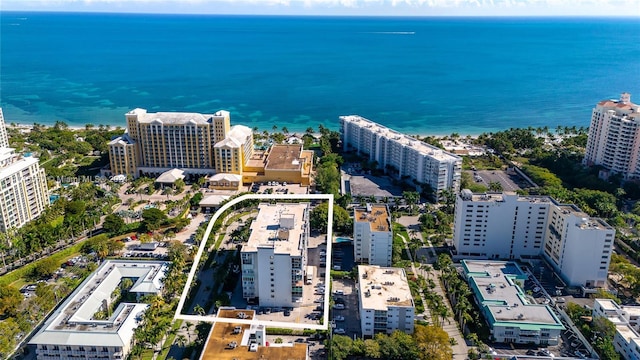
x,y
417,75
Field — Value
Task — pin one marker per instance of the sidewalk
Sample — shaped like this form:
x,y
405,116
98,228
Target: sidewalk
x,y
460,350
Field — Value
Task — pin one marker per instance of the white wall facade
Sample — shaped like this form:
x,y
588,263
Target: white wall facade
x,y
613,137
626,340
23,193
508,226
4,138
499,226
578,247
373,235
372,247
402,155
74,352
275,257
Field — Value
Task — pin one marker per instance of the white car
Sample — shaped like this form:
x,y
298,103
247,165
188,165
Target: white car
x,y
339,306
339,331
339,318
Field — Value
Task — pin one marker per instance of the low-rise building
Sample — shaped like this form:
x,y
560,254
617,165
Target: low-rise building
x,y
288,163
275,255
230,341
626,341
497,289
385,300
231,182
75,331
372,235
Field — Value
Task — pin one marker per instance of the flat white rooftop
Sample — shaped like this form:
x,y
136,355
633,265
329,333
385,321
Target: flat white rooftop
x,y
280,226
73,324
420,146
607,304
627,332
383,287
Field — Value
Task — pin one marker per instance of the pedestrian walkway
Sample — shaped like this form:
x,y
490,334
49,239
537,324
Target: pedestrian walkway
x,y
426,315
460,350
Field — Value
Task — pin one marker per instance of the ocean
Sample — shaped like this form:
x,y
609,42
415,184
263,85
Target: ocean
x,y
416,75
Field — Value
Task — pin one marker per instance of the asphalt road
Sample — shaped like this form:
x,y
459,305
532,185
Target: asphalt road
x,y
507,181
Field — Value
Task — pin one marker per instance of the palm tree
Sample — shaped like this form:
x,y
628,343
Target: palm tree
x,y
198,310
285,130
189,326
181,340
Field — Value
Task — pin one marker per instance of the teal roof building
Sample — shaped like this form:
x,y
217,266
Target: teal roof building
x,y
498,290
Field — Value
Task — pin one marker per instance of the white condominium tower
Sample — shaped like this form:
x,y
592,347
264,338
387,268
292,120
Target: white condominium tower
x,y
275,256
4,139
401,155
385,300
613,134
23,185
372,235
508,226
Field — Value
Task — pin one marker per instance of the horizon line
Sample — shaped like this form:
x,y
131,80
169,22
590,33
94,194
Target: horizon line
x,y
533,16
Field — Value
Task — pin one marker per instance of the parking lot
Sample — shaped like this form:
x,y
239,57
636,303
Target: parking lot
x,y
274,187
508,181
342,257
344,292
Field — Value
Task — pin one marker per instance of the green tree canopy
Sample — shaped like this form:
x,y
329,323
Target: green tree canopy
x,y
113,224
10,299
342,221
44,268
433,343
153,218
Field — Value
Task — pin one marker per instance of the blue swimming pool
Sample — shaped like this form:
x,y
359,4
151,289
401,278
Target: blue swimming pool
x,y
343,240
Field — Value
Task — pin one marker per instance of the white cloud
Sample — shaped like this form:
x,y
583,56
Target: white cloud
x,y
378,7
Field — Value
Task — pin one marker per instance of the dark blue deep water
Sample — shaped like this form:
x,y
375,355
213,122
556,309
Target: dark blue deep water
x,y
417,75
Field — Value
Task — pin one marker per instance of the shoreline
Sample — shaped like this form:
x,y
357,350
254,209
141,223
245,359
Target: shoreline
x,y
460,139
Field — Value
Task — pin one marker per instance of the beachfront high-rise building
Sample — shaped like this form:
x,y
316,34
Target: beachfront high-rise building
x,y
158,142
4,138
275,257
401,155
509,226
234,151
385,300
23,185
615,126
372,235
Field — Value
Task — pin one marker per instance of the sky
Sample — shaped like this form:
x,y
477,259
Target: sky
x,y
340,7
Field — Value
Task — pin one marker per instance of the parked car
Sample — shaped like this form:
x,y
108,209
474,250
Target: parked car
x,y
339,306
339,318
339,331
